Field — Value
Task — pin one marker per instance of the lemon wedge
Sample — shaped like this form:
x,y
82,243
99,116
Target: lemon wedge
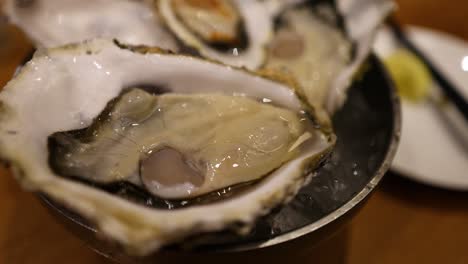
x,y
412,78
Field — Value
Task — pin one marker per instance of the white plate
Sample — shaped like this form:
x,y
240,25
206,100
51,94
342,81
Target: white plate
x,y
434,142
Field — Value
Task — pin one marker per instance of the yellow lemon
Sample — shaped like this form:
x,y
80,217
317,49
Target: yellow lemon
x,y
412,78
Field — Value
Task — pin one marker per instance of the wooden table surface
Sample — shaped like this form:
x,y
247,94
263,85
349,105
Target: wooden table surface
x,y
403,222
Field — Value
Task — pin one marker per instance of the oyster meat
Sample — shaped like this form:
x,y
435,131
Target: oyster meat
x,y
162,142
313,51
324,44
80,118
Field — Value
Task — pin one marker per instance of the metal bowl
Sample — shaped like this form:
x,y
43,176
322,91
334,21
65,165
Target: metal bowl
x,y
368,129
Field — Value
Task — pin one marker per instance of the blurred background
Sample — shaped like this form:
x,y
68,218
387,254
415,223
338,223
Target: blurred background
x,y
403,222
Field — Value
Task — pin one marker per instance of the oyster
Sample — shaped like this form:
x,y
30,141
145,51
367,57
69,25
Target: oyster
x,y
52,23
80,117
234,32
323,45
310,49
162,142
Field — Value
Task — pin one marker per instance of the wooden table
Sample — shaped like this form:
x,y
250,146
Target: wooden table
x,y
403,222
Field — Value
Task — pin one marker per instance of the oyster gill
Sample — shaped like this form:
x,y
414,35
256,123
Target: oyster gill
x,y
185,145
52,23
66,88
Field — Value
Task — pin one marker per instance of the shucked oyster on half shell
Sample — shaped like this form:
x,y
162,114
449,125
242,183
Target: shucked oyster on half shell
x,y
222,144
323,44
234,32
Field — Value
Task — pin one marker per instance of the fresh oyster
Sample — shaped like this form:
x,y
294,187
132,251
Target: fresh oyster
x,y
162,143
234,32
81,117
310,49
52,23
324,44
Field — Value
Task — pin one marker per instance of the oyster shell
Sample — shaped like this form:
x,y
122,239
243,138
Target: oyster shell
x,y
362,20
52,23
68,88
233,32
207,25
